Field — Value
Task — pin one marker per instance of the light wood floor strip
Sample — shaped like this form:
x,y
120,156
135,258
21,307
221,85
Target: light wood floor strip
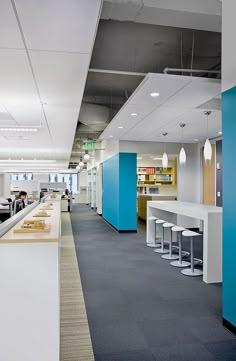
x,y
75,336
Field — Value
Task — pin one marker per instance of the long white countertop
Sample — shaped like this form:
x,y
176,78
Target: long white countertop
x,y
30,290
194,210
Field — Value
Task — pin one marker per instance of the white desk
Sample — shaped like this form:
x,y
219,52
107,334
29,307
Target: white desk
x,y
212,231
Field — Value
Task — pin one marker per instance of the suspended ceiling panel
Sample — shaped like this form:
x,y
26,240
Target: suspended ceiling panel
x,y
60,43
178,102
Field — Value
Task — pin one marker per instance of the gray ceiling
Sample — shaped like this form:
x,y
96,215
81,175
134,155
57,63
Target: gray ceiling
x,y
128,46
135,47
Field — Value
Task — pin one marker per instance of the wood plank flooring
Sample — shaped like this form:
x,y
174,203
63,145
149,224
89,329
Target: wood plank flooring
x,y
75,336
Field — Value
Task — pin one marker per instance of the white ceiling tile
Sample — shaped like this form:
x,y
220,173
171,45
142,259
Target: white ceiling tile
x,y
30,115
16,86
197,92
60,76
164,85
180,95
59,25
62,123
9,35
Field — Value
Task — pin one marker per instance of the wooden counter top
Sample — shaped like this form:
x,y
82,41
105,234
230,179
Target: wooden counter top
x,y
54,220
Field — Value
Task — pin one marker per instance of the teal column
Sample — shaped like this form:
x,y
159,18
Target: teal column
x,y
229,208
119,191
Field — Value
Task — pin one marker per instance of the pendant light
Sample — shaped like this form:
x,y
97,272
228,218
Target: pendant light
x,y
207,147
81,163
182,154
86,156
164,157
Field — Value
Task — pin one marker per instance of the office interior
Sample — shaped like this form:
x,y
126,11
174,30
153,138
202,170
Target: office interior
x,y
117,197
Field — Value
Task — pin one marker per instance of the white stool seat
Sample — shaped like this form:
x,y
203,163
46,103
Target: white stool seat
x,y
178,229
160,221
179,262
168,225
161,250
190,234
169,256
152,218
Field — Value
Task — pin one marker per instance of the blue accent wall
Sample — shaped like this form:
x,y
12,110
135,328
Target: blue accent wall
x,y
119,191
229,204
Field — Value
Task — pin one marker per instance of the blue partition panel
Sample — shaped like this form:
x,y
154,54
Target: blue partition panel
x,y
119,191
110,198
128,192
229,206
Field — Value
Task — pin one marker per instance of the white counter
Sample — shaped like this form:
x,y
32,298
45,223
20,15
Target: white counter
x,y
212,231
29,284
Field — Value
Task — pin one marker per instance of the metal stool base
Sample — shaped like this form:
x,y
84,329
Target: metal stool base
x,y
153,245
195,273
178,264
169,257
161,251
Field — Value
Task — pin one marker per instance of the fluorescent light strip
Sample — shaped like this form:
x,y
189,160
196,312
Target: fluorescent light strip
x,y
18,129
33,161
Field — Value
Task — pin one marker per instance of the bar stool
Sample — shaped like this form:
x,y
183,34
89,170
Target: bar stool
x,y
158,222
191,271
179,262
170,255
165,225
153,245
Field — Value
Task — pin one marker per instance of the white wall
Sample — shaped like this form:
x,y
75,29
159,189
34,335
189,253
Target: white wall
x,y
153,163
83,178
109,148
6,185
99,189
1,185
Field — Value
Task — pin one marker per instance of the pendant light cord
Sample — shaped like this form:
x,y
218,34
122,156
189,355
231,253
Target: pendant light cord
x,y
207,126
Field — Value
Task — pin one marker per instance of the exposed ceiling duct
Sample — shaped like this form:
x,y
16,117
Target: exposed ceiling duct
x,y
95,117
133,39
192,14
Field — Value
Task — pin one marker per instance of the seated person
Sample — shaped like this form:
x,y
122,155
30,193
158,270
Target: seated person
x,y
19,202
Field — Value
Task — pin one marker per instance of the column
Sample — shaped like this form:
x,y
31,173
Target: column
x,y
119,191
229,168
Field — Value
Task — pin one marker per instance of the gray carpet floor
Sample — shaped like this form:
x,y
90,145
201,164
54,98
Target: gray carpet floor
x,y
139,307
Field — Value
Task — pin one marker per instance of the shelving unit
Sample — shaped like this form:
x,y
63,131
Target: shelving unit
x,y
150,178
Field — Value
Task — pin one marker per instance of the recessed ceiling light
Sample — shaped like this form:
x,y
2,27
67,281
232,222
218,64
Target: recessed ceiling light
x,y
195,140
220,133
111,136
120,127
139,158
134,114
18,129
154,94
157,158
